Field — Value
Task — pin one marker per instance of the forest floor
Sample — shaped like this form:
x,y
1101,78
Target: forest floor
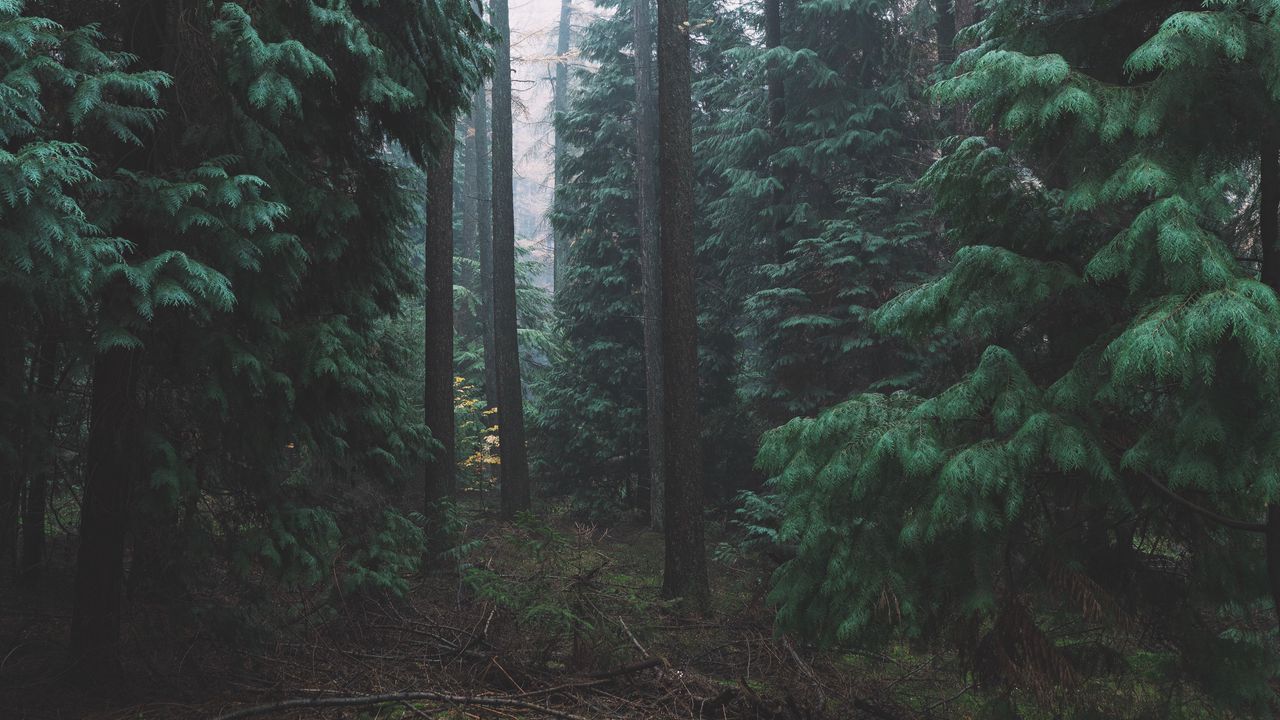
x,y
553,619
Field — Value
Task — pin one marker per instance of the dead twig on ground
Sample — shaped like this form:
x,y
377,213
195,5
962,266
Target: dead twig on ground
x,y
404,697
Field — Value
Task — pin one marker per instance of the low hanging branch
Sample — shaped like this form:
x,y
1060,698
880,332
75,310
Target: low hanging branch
x,y
1203,511
361,700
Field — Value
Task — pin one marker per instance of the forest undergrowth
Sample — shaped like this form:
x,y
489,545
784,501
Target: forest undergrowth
x,y
534,619
539,619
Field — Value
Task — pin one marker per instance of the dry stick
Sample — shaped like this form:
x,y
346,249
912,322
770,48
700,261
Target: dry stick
x,y
360,700
597,679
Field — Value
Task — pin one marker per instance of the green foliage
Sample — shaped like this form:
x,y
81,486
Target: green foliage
x,y
234,221
1107,235
820,210
590,429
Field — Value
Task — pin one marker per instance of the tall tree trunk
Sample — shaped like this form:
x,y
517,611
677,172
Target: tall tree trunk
x,y
650,250
685,567
484,238
438,400
514,467
112,464
560,251
13,389
469,324
40,468
113,460
1269,236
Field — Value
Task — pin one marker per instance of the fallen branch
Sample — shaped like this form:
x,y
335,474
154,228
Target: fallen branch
x,y
360,700
628,669
597,679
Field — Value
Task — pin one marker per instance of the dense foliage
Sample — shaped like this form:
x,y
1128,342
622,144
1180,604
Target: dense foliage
x,y
1007,297
1106,463
226,219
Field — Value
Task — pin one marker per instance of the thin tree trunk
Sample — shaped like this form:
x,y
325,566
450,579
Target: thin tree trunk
x,y
560,251
13,382
777,108
438,400
41,468
514,467
1269,236
685,567
484,238
776,86
650,250
945,27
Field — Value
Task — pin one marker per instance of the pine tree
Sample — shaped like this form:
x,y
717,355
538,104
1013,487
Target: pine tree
x,y
295,371
1109,460
590,423
598,378
819,169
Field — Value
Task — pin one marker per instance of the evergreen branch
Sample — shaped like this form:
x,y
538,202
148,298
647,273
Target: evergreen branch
x,y
1203,511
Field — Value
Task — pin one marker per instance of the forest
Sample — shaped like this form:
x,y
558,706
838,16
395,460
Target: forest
x,y
854,359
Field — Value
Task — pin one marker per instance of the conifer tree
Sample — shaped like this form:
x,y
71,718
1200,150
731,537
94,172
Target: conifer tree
x,y
190,382
1109,459
819,170
598,376
514,469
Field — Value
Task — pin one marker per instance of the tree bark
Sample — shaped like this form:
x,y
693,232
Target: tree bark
x,y
559,253
685,566
776,85
1269,235
438,400
514,467
112,466
650,251
113,460
41,468
467,323
945,27
777,108
13,381
484,238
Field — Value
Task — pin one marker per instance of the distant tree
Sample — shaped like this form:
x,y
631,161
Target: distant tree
x,y
438,368
484,240
560,251
646,120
